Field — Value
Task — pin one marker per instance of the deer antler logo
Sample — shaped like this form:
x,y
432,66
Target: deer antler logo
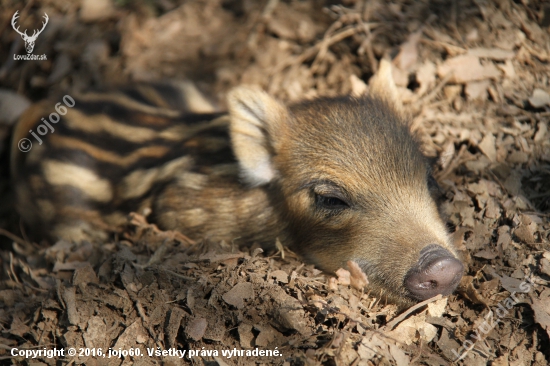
x,y
29,41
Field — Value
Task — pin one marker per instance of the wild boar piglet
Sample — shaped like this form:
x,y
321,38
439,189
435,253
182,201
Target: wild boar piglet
x,y
336,179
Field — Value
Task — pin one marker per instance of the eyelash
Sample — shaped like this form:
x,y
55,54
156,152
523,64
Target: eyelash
x,y
330,202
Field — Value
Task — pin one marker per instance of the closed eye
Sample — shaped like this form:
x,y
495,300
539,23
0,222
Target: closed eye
x,y
330,202
328,196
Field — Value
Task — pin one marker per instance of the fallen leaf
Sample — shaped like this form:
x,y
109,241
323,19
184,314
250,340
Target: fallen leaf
x,y
486,254
492,210
541,132
526,230
510,284
343,277
466,68
280,276
408,55
133,334
239,293
513,183
467,289
437,308
488,147
18,327
358,86
477,90
414,328
358,278
491,53
333,284
508,69
540,98
84,275
541,307
545,266
245,335
452,91
172,326
195,328
267,335
95,10
518,157
425,76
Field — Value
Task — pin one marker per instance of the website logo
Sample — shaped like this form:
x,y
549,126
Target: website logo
x,y
29,40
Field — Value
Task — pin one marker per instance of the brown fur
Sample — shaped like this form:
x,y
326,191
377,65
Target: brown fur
x,y
359,149
267,171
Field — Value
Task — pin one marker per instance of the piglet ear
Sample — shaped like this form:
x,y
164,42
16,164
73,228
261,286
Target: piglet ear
x,y
258,124
383,86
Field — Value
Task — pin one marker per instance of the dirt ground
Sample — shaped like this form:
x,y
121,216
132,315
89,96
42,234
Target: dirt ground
x,y
474,75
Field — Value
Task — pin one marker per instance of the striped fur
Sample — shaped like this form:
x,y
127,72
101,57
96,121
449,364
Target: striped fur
x,y
337,179
111,155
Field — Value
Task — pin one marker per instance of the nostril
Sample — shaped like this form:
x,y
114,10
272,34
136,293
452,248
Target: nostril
x,y
428,285
436,272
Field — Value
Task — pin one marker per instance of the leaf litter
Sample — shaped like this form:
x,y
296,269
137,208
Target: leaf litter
x,y
474,76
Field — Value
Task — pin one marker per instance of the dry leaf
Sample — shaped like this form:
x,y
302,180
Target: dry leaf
x,y
467,289
280,276
408,55
426,77
486,254
358,278
437,308
487,146
491,53
195,328
343,277
466,68
508,69
238,294
541,307
540,98
477,90
358,86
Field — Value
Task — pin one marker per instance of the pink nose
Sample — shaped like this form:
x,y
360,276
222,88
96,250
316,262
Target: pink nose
x,y
436,272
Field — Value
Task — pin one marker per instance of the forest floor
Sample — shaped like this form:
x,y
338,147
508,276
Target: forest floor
x,y
473,74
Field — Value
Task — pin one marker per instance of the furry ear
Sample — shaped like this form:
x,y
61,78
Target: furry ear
x,y
257,125
382,85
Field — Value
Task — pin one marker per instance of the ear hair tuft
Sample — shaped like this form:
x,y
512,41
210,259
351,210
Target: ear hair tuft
x,y
257,123
383,85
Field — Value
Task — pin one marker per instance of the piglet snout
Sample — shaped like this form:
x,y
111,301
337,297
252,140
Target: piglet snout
x,y
436,272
